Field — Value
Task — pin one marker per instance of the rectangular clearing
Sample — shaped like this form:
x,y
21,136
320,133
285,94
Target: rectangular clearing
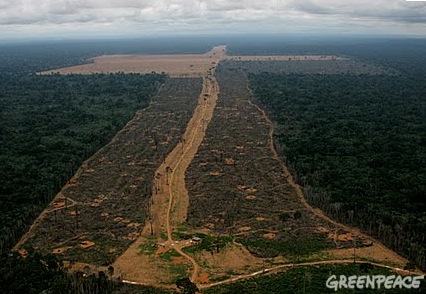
x,y
176,65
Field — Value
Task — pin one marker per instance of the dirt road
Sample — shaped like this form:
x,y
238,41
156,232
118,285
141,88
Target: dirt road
x,y
170,197
178,195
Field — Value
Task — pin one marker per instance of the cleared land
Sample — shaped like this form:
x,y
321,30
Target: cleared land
x,y
156,257
177,65
238,187
237,212
103,208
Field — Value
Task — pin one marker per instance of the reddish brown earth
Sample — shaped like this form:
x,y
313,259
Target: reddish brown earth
x,y
177,65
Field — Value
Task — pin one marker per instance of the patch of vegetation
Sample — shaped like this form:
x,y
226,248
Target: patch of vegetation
x,y
221,278
209,243
169,255
163,235
186,286
179,271
148,248
181,235
294,247
311,66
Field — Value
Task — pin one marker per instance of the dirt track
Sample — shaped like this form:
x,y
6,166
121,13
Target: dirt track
x,y
170,196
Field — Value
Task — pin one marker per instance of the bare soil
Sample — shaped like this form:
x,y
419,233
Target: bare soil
x,y
177,65
170,197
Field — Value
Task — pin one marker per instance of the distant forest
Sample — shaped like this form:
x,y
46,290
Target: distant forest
x,y
357,143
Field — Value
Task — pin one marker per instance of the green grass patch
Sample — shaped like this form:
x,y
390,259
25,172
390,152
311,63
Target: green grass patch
x,y
181,235
179,271
169,255
163,235
209,243
294,247
148,247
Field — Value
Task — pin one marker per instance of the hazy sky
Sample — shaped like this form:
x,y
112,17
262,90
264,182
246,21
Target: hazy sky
x,y
71,18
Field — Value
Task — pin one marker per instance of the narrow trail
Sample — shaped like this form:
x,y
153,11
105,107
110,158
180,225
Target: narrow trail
x,y
175,169
196,134
170,198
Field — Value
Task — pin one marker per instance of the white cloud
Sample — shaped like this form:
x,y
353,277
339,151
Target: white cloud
x,y
147,16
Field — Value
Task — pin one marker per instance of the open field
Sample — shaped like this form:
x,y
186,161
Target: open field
x,y
177,65
103,208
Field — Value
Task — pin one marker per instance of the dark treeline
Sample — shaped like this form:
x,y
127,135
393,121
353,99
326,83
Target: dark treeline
x,y
357,145
36,273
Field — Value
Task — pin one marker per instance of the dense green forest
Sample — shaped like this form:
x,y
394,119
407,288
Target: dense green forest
x,y
357,144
